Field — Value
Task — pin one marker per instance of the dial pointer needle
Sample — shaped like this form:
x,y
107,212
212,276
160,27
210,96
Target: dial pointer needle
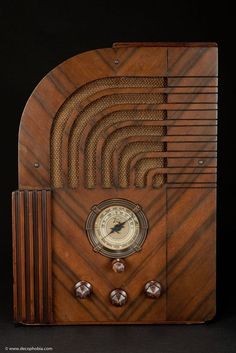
x,y
117,227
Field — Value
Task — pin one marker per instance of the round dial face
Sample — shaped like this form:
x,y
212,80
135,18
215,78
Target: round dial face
x,y
116,228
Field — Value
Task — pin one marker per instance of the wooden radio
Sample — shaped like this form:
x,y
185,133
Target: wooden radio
x,y
114,220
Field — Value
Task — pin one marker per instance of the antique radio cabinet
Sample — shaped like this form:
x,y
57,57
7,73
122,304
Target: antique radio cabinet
x,y
114,219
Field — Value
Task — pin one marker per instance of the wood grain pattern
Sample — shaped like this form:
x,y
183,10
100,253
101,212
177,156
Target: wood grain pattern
x,y
191,254
31,210
135,121
79,262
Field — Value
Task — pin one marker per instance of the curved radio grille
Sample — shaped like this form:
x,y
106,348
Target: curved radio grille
x,y
94,123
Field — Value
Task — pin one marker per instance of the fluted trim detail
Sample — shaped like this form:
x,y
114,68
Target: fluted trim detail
x,y
31,210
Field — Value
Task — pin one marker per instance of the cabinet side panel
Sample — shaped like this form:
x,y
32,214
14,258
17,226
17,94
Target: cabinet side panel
x,y
191,254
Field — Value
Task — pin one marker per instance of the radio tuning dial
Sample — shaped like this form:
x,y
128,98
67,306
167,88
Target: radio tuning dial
x,y
116,228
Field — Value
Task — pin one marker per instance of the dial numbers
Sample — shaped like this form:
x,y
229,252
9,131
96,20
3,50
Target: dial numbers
x,y
116,227
118,230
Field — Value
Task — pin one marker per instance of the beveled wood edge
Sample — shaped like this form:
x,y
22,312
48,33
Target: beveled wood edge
x,y
164,44
112,323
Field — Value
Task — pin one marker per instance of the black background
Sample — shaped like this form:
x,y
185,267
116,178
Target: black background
x,y
38,35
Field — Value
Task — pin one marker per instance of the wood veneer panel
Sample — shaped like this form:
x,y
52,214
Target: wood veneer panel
x,y
163,95
192,114
191,178
192,61
74,260
189,97
191,254
191,162
32,256
208,81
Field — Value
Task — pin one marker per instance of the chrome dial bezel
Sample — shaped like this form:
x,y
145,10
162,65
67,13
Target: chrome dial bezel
x,y
118,253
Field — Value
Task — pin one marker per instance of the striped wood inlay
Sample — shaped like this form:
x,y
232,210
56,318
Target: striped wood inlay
x,y
31,211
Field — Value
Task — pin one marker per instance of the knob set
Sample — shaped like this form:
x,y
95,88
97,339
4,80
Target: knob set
x,y
83,289
118,297
152,289
118,265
